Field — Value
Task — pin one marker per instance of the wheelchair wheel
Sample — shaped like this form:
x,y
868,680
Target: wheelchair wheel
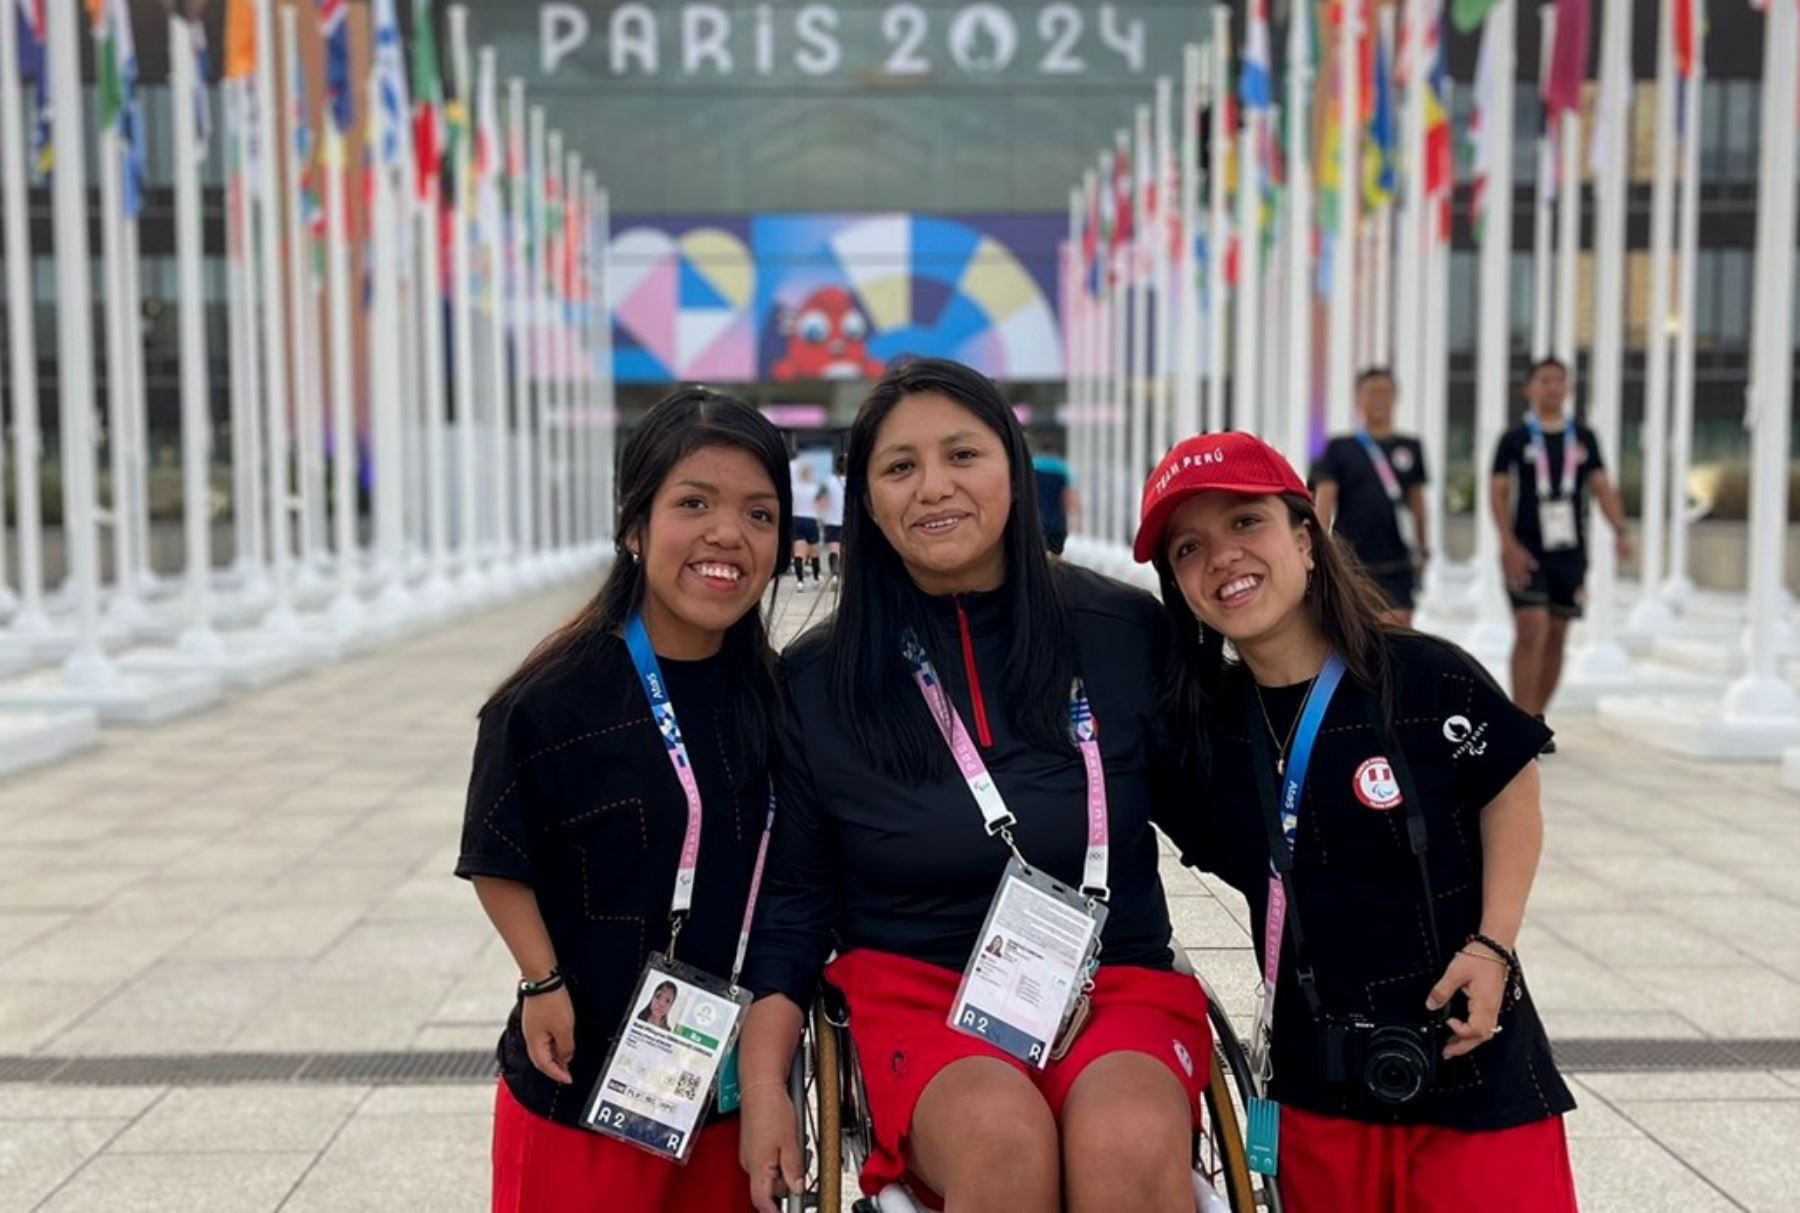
x,y
828,1074
1227,1166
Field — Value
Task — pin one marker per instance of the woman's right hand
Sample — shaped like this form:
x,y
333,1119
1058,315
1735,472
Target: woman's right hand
x,y
548,1024
769,1144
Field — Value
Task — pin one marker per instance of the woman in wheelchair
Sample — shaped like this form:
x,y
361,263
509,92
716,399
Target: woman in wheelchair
x,y
1374,796
642,723
967,753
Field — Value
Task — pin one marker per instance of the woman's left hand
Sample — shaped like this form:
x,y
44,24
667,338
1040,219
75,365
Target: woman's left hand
x,y
1483,980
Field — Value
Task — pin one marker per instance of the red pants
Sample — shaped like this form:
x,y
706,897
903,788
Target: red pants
x,y
543,1167
1331,1165
898,1009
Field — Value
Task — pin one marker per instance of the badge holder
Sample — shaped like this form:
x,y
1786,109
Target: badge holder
x,y
1025,989
1556,521
680,1028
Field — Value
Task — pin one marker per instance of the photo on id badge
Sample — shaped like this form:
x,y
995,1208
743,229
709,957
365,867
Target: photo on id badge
x,y
1029,965
655,1086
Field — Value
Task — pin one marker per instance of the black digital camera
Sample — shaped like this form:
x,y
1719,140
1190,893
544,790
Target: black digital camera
x,y
1393,1062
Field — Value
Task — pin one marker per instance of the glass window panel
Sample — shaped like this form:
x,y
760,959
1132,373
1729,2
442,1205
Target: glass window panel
x,y
1734,297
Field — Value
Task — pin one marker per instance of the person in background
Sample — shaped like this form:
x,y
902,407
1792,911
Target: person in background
x,y
1370,487
831,514
806,521
1544,469
1058,504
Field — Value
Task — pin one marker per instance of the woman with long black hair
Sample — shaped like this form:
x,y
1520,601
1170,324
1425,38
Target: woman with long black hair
x,y
1374,796
620,793
966,758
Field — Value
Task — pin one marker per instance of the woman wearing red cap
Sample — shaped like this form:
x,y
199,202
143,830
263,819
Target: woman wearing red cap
x,y
1374,796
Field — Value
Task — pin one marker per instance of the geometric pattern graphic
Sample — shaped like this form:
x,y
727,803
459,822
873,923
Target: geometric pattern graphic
x,y
797,296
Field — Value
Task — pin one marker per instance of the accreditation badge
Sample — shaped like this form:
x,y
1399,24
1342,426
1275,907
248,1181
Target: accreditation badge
x,y
1030,967
1556,521
680,1026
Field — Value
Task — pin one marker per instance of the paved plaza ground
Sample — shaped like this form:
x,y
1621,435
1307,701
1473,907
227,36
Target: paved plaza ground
x,y
237,974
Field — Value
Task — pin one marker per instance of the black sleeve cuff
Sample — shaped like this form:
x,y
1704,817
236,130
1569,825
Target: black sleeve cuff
x,y
798,981
470,866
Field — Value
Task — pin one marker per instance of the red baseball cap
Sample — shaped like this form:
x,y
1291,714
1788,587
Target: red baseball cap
x,y
1232,462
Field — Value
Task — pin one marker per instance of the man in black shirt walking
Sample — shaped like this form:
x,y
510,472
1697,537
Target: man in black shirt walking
x,y
1543,471
1370,488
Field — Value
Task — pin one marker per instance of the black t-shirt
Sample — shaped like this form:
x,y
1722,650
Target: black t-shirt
x,y
1356,882
573,794
860,860
1366,516
1514,456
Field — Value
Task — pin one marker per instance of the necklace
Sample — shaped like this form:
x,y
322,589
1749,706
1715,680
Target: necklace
x,y
1281,751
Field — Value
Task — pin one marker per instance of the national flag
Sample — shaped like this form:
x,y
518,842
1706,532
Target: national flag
x,y
1685,32
312,211
1467,15
389,113
1378,143
1123,219
1253,75
116,94
202,72
1569,59
1480,136
240,39
34,70
1438,174
334,28
1330,174
1108,225
428,98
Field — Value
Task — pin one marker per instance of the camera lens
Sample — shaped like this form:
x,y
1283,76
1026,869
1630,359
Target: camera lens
x,y
1395,1068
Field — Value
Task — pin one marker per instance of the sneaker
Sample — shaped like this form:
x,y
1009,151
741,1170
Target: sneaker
x,y
1549,746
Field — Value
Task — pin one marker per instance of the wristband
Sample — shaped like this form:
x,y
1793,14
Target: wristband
x,y
1507,956
531,989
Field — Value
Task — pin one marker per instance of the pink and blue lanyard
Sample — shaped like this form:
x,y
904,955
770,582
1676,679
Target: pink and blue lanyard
x,y
994,813
662,711
1564,487
1384,471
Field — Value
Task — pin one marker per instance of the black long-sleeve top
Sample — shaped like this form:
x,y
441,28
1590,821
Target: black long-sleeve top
x,y
860,860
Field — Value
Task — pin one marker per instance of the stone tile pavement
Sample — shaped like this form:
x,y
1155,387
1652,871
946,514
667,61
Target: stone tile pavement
x,y
273,878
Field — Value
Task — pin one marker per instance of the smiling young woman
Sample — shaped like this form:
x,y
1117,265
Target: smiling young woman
x,y
955,626
1393,788
576,817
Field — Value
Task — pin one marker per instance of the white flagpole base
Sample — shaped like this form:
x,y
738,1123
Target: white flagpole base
x,y
33,738
1757,720
120,697
236,663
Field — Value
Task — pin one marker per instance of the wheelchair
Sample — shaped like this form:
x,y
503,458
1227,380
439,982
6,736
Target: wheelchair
x,y
836,1136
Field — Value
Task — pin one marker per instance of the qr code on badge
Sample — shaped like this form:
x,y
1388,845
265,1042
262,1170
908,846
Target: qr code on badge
x,y
687,1086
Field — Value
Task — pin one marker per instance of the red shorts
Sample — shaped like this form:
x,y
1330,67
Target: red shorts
x,y
898,1009
544,1167
1331,1165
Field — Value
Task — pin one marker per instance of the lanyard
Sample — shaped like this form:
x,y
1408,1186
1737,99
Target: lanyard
x,y
1384,471
662,711
1281,858
1564,487
994,813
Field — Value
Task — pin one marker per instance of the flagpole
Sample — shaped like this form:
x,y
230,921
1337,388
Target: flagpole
x,y
88,668
31,619
431,316
299,284
582,368
1137,431
609,409
1186,420
137,467
569,367
1568,241
1246,412
1299,337
519,322
1341,371
1544,214
1382,350
198,639
1651,613
1159,425
387,385
1409,276
1679,587
1493,624
281,618
493,231
462,319
591,422
1072,324
1763,691
345,611
556,420
123,608
238,323
542,356
1218,235
258,581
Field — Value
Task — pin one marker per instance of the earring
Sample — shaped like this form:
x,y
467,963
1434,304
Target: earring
x,y
635,558
1200,632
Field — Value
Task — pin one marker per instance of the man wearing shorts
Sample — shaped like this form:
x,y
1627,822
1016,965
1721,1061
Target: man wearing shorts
x,y
831,515
1544,469
1370,488
806,520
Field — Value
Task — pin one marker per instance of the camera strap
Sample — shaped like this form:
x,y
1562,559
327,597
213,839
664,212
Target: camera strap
x,y
1417,839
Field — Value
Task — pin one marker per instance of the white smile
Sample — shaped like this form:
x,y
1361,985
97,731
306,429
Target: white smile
x,y
938,526
1235,591
718,572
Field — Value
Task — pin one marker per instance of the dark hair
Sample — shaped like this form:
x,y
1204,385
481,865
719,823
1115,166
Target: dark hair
x,y
870,685
1374,372
1346,605
1544,363
665,985
676,426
